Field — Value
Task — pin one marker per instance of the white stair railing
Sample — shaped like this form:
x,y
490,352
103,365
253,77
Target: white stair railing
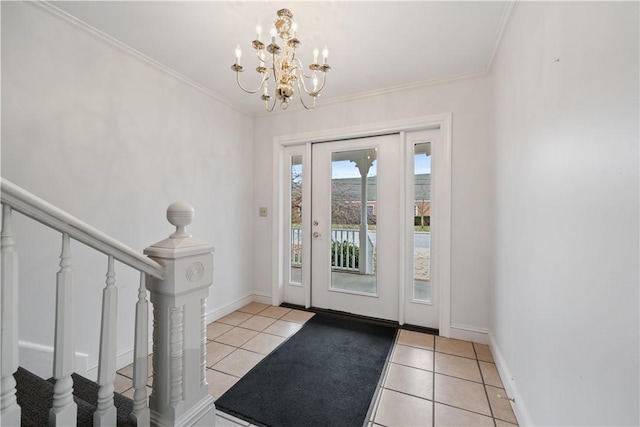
x,y
9,409
176,410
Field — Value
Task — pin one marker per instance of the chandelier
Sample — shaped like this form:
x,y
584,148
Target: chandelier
x,y
279,64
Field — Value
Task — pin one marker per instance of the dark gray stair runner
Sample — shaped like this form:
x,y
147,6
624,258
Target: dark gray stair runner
x,y
35,397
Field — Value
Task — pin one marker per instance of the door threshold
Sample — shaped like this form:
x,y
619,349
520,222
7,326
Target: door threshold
x,y
367,319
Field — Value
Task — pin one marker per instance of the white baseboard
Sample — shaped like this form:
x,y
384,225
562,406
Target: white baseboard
x,y
125,358
469,333
38,359
262,298
519,408
216,314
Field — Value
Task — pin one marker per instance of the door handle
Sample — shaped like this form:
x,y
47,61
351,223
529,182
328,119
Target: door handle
x,y
316,234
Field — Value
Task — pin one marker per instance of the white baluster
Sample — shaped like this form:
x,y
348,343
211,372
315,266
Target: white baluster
x,y
105,414
140,414
64,410
9,408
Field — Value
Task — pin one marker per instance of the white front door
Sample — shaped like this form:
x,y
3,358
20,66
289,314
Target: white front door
x,y
356,225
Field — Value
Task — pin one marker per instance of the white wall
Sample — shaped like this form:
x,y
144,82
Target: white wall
x,y
114,141
471,220
565,129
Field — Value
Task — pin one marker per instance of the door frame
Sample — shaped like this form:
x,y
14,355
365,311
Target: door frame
x,y
441,121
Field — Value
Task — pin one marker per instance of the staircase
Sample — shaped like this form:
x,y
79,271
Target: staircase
x,y
35,398
175,276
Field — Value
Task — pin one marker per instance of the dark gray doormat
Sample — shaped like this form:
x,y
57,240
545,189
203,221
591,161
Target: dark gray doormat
x,y
325,375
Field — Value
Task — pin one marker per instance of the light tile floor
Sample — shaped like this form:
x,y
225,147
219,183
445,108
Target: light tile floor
x,y
429,380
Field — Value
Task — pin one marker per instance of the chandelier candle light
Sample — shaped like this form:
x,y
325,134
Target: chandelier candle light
x,y
280,64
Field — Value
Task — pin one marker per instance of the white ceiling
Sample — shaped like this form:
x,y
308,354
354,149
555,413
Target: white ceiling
x,y
373,46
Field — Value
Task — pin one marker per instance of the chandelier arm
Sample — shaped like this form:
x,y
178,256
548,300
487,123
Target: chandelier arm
x,y
301,68
307,107
273,68
259,56
324,81
302,99
264,79
317,91
304,87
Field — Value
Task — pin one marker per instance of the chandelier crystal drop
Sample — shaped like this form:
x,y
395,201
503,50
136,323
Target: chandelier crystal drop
x,y
278,63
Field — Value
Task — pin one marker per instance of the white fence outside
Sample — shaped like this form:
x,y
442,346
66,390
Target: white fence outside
x,y
345,247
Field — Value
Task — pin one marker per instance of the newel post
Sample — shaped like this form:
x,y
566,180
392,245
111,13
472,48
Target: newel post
x,y
180,395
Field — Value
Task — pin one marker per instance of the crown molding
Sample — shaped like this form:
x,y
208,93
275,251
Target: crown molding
x,y
408,86
504,21
383,91
52,11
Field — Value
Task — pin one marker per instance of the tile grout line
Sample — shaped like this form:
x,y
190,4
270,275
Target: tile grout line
x,y
242,348
259,332
417,397
484,386
211,367
410,366
383,383
443,352
433,384
463,409
459,378
226,373
440,373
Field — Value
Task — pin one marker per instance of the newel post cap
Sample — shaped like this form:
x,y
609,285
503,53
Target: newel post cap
x,y
180,214
180,243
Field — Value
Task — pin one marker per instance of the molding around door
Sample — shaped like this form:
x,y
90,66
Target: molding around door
x,y
441,121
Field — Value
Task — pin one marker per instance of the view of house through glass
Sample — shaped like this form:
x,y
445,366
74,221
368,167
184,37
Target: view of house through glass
x,y
422,222
353,219
296,219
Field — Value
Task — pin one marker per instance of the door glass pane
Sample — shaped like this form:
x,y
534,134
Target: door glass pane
x,y
353,220
296,220
422,222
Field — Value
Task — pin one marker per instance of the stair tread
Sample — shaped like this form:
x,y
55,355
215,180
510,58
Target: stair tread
x,y
89,391
35,397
